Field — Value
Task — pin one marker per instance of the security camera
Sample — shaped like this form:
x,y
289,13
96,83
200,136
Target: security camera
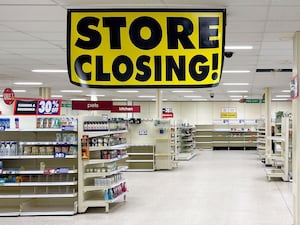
x,y
228,54
212,95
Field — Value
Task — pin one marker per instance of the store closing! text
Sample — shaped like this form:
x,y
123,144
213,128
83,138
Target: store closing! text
x,y
133,49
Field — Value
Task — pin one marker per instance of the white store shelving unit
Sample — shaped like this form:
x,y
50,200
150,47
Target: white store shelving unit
x,y
42,168
102,145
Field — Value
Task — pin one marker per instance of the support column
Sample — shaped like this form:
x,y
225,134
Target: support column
x,y
296,134
158,104
268,100
45,92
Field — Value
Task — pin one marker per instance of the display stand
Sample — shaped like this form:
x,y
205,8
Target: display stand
x,y
261,141
38,166
282,158
234,134
102,144
203,134
185,149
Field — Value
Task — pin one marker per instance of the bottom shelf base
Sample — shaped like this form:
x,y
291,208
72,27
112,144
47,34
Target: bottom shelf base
x,y
276,173
99,203
185,156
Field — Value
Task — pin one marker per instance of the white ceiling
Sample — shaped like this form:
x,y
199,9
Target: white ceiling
x,y
33,36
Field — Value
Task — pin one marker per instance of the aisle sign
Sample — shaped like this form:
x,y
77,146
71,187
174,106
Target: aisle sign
x,y
125,109
126,48
25,106
229,112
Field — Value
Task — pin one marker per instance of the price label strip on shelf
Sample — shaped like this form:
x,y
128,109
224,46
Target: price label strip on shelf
x,y
59,155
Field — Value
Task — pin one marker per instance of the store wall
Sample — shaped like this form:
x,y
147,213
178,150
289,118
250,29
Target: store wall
x,y
186,112
206,112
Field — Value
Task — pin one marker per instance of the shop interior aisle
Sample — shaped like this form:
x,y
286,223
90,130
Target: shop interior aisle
x,y
215,188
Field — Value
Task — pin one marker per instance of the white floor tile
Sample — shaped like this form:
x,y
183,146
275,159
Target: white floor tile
x,y
214,188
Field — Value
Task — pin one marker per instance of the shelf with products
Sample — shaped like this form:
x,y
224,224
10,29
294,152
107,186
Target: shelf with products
x,y
38,164
185,147
231,134
102,145
282,152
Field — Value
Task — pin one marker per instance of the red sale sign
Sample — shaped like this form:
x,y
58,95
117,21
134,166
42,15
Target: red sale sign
x,y
8,96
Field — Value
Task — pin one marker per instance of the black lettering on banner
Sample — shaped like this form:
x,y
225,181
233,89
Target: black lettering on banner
x,y
122,59
172,66
144,68
100,75
83,28
114,24
157,70
135,33
193,68
206,32
79,62
174,35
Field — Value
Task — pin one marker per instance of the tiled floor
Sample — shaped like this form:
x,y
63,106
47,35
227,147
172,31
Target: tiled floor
x,y
214,188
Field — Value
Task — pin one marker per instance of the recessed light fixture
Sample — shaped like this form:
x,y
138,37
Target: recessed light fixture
x,y
56,96
236,71
239,47
19,91
78,99
199,99
146,96
237,84
286,91
280,99
49,71
282,96
182,91
71,91
235,99
192,96
238,91
128,91
95,95
28,83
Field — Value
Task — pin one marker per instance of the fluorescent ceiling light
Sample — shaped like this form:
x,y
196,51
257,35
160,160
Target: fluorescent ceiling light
x,y
239,47
78,99
280,99
235,99
95,95
238,96
236,71
182,91
239,84
282,96
146,96
49,71
286,91
28,83
71,91
56,96
119,99
19,91
128,91
199,99
238,91
192,96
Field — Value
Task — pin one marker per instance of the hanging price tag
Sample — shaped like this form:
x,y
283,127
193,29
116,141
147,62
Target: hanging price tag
x,y
49,107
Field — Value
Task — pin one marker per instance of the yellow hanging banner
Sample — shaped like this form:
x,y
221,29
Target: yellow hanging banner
x,y
145,48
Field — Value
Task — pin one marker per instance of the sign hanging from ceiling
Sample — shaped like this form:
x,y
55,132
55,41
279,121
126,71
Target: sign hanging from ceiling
x,y
8,96
125,48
